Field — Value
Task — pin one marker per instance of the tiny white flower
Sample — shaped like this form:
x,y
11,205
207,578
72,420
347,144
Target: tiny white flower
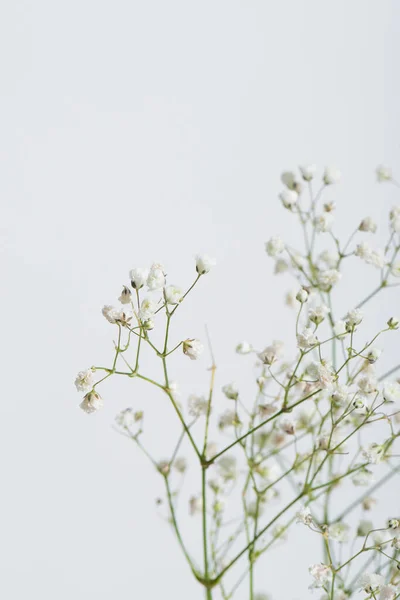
x,y
339,532
156,277
339,329
84,380
288,198
308,171
373,355
371,582
368,225
198,405
388,592
383,173
340,395
323,222
126,418
291,180
322,373
281,266
363,478
274,246
271,353
306,339
364,527
318,314
391,391
228,419
230,390
331,175
367,384
204,264
321,574
126,295
287,426
329,258
91,402
173,294
138,277
303,515
244,348
192,348
111,313
354,317
180,464
147,309
329,278
195,505
373,453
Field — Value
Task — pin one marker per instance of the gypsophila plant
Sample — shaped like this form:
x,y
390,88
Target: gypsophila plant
x,y
309,446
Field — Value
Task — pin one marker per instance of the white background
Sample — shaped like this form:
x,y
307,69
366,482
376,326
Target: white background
x,y
150,130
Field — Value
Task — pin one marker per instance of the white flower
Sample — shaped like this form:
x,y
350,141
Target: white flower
x,y
322,373
271,353
303,515
363,250
227,467
354,317
321,574
388,592
125,296
393,323
373,355
331,175
373,453
138,277
302,296
281,266
383,173
156,277
227,419
204,264
395,269
391,391
307,171
329,278
192,348
368,225
339,532
340,394
367,384
244,348
362,478
91,402
173,294
329,258
364,527
126,418
369,255
147,309
306,339
324,222
84,380
230,390
288,198
111,313
339,328
290,179
195,505
198,405
370,582
318,314
274,246
287,426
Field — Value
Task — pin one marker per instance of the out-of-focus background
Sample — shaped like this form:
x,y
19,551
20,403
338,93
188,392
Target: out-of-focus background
x,y
141,131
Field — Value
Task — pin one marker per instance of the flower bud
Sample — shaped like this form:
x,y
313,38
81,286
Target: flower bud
x,y
307,171
302,295
331,175
91,402
138,277
125,296
393,523
204,264
192,348
149,324
393,323
368,225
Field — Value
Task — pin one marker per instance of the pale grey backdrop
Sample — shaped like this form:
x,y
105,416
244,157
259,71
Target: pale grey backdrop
x,y
150,130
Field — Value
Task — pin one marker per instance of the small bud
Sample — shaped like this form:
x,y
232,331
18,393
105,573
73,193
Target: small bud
x,y
231,392
393,523
307,171
164,467
302,295
138,277
373,355
331,175
329,206
149,324
125,296
358,404
393,323
192,348
383,173
204,264
368,225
